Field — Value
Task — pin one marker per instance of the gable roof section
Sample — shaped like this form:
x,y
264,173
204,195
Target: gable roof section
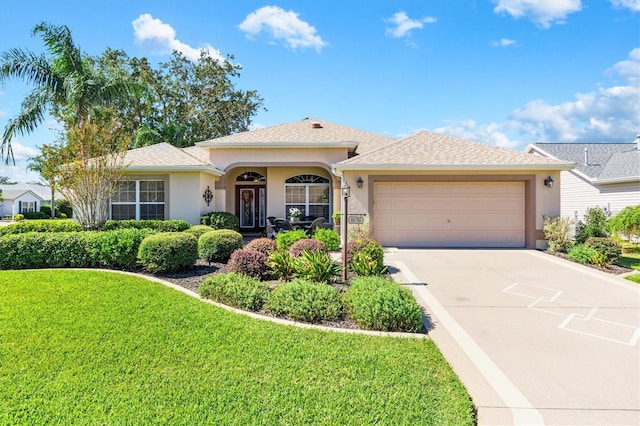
x,y
42,192
433,151
303,134
166,157
608,162
12,194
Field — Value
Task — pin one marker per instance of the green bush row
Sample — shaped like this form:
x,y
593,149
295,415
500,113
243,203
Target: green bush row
x,y
155,224
379,304
221,220
168,252
41,226
109,249
373,302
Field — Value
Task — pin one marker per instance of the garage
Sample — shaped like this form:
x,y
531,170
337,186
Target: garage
x,y
450,214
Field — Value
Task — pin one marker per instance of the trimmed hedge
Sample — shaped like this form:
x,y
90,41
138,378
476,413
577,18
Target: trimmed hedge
x,y
198,230
303,300
168,252
236,290
248,262
217,246
41,226
378,304
221,220
329,237
264,245
109,249
309,244
155,224
285,240
369,249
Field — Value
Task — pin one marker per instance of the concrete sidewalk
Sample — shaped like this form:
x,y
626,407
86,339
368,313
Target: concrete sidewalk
x,y
535,339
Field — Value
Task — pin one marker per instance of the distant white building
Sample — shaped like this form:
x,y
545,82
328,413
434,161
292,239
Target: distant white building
x,y
607,175
22,198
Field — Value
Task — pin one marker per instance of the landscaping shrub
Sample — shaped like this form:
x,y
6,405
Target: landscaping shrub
x,y
379,304
329,237
285,240
221,220
594,225
364,265
303,300
263,245
248,262
41,226
46,209
112,249
64,206
155,224
299,246
17,217
581,253
557,232
217,245
168,252
610,249
36,215
198,230
236,290
626,223
282,264
370,247
317,266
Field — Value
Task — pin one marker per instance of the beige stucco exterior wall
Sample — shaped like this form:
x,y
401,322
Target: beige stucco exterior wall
x,y
546,201
185,195
227,158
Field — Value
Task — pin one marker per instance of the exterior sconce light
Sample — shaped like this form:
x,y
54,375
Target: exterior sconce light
x,y
346,191
359,181
548,182
207,196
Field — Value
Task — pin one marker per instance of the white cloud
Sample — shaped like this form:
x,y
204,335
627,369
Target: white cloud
x,y
488,133
402,25
543,13
633,5
160,38
282,25
604,115
503,42
19,171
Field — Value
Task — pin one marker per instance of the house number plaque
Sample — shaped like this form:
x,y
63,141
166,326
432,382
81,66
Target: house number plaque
x,y
355,219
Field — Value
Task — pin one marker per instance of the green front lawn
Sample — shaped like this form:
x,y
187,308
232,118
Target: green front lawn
x,y
102,348
630,260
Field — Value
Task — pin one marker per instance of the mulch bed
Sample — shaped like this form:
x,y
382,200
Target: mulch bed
x,y
611,269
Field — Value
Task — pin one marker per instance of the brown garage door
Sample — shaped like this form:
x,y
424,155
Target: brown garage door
x,y
450,214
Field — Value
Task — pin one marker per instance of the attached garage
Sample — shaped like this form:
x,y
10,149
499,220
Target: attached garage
x,y
450,214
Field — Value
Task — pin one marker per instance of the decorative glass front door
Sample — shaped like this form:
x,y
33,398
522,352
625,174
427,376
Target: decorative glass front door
x,y
251,207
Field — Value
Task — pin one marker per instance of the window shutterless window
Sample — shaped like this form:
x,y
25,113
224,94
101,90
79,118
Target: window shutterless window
x,y
140,199
308,193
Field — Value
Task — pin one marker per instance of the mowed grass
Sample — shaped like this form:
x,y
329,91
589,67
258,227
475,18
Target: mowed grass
x,y
87,347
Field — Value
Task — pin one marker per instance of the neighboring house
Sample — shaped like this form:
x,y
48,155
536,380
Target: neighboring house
x,y
425,190
606,175
23,198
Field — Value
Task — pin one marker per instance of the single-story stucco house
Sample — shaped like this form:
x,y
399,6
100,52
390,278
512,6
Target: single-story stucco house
x,y
426,190
21,198
606,175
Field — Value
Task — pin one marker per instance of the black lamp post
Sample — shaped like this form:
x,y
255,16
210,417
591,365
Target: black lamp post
x,y
346,193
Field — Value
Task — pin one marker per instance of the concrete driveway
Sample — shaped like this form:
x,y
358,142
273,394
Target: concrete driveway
x,y
536,339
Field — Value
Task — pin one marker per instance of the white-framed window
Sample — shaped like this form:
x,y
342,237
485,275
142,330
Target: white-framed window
x,y
138,199
310,194
27,207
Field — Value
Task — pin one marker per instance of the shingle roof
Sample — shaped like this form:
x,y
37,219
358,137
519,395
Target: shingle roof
x,y
41,191
606,160
12,194
304,131
168,157
428,150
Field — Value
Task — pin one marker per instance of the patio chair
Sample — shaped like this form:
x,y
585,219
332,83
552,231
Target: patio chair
x,y
281,225
317,223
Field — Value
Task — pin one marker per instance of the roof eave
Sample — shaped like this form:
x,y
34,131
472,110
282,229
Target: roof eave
x,y
452,167
156,169
352,145
628,179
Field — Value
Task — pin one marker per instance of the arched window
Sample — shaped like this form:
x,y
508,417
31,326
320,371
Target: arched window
x,y
308,193
251,177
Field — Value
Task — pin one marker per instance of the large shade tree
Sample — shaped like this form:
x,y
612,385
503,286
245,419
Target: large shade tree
x,y
66,84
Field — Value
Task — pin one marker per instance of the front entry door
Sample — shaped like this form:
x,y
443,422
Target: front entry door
x,y
251,207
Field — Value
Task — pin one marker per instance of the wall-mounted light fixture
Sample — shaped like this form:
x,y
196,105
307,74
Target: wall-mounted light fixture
x,y
207,196
548,182
359,181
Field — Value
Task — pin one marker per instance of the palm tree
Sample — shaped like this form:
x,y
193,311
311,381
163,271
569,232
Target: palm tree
x,y
66,84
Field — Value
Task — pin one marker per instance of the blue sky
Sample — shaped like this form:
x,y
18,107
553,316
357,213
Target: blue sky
x,y
503,72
